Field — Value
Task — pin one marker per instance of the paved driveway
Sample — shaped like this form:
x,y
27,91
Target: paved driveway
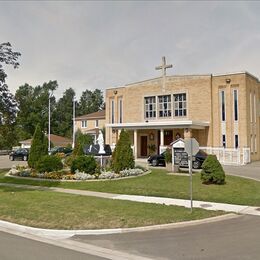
x,y
6,163
251,170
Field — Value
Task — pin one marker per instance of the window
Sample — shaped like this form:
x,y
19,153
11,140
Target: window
x,y
112,111
180,104
224,141
236,141
254,107
84,124
251,107
120,108
150,107
164,103
235,96
252,144
223,108
97,123
255,144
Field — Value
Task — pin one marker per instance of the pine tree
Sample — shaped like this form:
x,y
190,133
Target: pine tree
x,y
39,147
122,157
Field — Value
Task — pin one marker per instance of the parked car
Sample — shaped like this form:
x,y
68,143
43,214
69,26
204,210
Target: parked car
x,y
58,149
158,159
198,160
19,154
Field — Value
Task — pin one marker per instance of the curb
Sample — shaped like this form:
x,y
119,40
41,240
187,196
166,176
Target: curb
x,y
63,234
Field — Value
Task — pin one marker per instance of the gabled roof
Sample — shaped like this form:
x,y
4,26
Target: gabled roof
x,y
55,139
96,115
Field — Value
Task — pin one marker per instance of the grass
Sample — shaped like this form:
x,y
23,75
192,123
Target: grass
x,y
52,210
237,190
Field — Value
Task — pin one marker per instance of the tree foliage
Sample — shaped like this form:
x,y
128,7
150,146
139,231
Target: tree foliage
x,y
90,101
212,171
39,147
8,105
122,157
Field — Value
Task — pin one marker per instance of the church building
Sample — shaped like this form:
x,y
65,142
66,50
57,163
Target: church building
x,y
222,111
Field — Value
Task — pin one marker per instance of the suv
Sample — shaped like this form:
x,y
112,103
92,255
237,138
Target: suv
x,y
20,154
59,149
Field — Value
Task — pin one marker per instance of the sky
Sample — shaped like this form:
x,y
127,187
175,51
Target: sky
x,y
88,45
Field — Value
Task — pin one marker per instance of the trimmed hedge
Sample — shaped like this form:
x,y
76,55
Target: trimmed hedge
x,y
49,163
85,164
212,171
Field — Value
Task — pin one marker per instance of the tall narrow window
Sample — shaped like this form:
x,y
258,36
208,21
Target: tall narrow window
x,y
252,144
112,111
236,141
149,107
164,103
254,107
97,123
180,104
224,141
84,124
255,144
235,96
223,106
251,107
120,110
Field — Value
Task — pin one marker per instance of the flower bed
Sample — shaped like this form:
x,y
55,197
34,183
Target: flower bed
x,y
65,174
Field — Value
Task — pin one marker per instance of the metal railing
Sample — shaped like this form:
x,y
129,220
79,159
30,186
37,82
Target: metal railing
x,y
230,156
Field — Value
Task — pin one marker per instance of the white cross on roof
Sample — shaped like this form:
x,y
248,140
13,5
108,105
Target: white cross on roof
x,y
163,67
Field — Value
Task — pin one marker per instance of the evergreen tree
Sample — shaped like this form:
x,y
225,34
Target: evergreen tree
x,y
122,157
39,147
212,171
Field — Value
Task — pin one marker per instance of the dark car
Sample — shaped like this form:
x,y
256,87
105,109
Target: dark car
x,y
158,159
19,154
198,160
60,149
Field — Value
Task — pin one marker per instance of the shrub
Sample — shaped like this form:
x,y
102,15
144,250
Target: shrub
x,y
122,157
212,171
39,147
86,164
68,160
49,163
168,155
83,176
131,172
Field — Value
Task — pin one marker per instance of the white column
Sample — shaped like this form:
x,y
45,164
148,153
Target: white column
x,y
135,144
162,137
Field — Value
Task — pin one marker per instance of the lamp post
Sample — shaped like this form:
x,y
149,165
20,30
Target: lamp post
x,y
73,130
49,128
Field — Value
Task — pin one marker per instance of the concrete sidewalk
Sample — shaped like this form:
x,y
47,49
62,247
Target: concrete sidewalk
x,y
241,209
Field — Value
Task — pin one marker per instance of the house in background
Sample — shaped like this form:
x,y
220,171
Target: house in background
x,y
55,139
91,123
221,111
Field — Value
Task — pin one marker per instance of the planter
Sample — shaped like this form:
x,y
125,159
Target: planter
x,y
169,167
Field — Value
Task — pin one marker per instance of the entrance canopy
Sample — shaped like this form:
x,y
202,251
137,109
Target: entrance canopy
x,y
162,124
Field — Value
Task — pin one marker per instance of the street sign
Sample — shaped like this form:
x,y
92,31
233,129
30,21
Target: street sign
x,y
191,146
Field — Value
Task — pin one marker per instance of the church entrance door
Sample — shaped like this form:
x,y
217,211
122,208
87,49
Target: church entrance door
x,y
143,146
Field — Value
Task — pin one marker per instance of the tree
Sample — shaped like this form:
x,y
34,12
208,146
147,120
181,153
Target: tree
x,y
122,157
90,102
81,140
39,147
212,171
62,116
33,105
8,105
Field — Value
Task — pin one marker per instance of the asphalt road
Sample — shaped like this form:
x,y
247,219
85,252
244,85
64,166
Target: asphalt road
x,y
6,163
231,239
18,248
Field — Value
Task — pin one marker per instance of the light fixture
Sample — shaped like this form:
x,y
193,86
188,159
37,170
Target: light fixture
x,y
151,136
115,92
228,81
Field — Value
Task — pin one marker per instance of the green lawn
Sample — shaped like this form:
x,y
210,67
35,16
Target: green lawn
x,y
53,210
236,191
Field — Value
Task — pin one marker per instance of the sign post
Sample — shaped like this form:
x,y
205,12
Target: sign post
x,y
191,148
